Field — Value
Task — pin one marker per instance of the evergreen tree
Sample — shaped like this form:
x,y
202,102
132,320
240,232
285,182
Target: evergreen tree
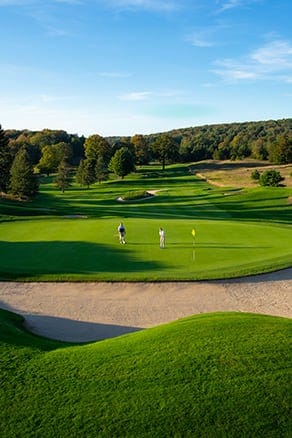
x,y
101,169
5,162
86,173
122,163
62,179
23,181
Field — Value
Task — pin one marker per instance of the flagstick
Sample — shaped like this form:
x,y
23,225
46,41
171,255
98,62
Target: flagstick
x,y
194,235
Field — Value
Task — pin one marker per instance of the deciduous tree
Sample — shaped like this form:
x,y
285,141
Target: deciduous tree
x,y
141,150
280,151
165,148
96,146
122,163
49,160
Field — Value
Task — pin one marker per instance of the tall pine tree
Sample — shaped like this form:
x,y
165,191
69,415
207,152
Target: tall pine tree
x,y
5,162
86,173
23,181
62,179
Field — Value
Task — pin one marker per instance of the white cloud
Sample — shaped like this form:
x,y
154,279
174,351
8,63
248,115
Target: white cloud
x,y
232,4
277,54
200,39
34,2
146,95
136,95
114,74
70,2
235,74
155,5
16,2
207,36
272,61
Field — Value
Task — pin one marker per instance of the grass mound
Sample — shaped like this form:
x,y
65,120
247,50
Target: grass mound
x,y
208,375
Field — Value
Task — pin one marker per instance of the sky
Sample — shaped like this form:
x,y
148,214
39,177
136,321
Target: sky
x,y
125,67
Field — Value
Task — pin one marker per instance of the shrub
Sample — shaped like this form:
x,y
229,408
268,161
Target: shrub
x,y
255,175
270,178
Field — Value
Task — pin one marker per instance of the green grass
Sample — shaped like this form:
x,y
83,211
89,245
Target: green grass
x,y
211,375
239,232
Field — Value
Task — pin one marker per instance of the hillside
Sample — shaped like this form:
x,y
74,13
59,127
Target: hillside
x,y
209,375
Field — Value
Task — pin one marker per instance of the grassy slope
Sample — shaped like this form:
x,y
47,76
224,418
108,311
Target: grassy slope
x,y
238,232
208,375
238,173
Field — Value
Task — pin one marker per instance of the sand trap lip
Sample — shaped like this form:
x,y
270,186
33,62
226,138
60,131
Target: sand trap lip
x,y
81,312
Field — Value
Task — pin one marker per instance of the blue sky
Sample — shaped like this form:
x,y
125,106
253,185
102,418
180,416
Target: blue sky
x,y
121,67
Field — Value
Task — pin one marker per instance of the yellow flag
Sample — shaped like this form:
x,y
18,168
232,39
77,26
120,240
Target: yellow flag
x,y
193,232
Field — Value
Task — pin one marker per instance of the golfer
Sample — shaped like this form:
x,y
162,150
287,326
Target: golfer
x,y
162,237
122,233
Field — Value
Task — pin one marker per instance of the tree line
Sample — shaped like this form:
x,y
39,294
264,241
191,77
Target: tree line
x,y
26,154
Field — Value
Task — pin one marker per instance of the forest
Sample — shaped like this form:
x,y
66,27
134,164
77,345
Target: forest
x,y
25,154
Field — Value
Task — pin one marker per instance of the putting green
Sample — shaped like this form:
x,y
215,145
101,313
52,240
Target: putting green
x,y
88,249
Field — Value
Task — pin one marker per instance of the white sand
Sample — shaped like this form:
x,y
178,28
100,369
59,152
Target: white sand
x,y
79,312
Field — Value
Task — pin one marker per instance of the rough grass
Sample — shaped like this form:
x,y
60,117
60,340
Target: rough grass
x,y
238,173
203,376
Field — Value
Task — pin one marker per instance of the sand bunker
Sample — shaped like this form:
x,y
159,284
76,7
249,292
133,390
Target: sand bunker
x,y
80,312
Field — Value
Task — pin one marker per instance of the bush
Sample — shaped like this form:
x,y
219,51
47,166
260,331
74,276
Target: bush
x,y
255,175
270,178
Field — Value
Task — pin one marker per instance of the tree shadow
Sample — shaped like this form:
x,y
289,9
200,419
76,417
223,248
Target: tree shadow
x,y
30,259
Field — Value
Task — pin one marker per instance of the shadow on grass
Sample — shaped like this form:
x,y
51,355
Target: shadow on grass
x,y
29,259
